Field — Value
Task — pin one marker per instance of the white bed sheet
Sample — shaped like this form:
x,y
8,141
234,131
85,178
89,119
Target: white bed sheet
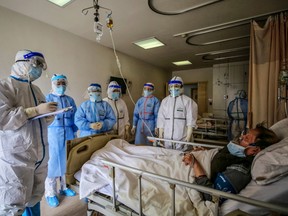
x,y
156,195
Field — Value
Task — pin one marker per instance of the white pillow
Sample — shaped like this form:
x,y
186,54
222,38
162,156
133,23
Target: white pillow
x,y
281,128
271,164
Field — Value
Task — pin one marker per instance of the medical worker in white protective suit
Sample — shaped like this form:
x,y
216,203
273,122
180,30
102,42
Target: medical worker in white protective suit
x,y
23,142
177,116
59,131
120,110
145,115
94,116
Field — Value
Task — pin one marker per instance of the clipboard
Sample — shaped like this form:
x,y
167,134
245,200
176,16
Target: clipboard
x,y
66,109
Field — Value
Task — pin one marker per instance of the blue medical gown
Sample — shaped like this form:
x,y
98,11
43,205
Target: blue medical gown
x,y
91,112
61,130
146,108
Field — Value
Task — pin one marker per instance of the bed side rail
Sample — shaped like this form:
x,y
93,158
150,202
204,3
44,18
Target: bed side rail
x,y
157,142
174,182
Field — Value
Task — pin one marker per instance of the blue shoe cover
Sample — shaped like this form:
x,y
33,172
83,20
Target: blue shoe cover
x,y
32,211
52,201
67,192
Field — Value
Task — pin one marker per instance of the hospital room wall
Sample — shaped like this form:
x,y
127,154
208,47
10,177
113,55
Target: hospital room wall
x,y
224,81
83,61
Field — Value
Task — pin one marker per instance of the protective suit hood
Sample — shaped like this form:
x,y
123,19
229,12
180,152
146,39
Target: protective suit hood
x,y
20,70
55,78
111,87
176,80
25,60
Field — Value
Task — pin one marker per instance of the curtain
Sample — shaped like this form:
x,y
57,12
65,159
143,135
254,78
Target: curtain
x,y
268,53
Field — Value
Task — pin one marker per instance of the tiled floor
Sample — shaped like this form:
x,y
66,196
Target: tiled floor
x,y
69,206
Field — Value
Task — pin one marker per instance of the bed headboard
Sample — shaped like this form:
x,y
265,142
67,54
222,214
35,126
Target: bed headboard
x,y
79,151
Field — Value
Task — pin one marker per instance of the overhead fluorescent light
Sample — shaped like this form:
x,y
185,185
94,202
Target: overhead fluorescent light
x,y
181,63
149,43
61,3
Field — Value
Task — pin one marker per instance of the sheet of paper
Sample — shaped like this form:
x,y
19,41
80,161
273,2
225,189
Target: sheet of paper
x,y
52,113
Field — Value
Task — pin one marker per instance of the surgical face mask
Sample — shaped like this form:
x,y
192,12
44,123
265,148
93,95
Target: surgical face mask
x,y
60,90
175,92
236,150
115,95
34,73
146,93
95,96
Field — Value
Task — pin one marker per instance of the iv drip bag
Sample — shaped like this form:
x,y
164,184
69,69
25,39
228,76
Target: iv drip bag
x,y
98,29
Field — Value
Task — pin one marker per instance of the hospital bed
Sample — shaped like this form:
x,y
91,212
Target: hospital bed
x,y
270,187
211,130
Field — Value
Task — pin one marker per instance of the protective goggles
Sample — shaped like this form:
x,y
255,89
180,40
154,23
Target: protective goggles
x,y
175,86
38,62
116,90
60,82
36,59
148,88
94,88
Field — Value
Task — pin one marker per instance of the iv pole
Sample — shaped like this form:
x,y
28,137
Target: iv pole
x,y
283,87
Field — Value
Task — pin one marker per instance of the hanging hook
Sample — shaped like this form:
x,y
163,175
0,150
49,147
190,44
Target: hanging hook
x,y
96,6
86,10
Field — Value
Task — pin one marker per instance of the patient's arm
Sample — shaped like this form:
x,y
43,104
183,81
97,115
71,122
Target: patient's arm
x,y
189,159
200,175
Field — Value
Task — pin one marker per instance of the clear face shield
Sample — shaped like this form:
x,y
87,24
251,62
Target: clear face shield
x,y
95,93
175,89
38,62
35,59
114,91
147,91
59,84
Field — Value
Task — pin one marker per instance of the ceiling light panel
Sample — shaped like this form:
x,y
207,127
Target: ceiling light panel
x,y
61,3
149,43
181,63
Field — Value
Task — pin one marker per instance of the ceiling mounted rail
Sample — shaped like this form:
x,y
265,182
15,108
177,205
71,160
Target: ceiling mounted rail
x,y
224,51
216,41
207,59
225,25
153,8
209,56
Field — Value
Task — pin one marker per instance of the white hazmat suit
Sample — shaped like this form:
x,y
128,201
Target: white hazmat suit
x,y
177,116
120,110
23,142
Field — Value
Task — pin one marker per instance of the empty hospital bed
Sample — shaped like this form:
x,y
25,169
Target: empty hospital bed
x,y
105,202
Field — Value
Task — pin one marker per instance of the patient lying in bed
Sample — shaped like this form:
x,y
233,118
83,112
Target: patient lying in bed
x,y
156,195
230,169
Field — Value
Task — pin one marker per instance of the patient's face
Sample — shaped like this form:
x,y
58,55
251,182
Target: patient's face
x,y
248,138
252,150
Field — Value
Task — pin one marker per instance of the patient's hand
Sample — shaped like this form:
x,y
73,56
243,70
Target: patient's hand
x,y
188,159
